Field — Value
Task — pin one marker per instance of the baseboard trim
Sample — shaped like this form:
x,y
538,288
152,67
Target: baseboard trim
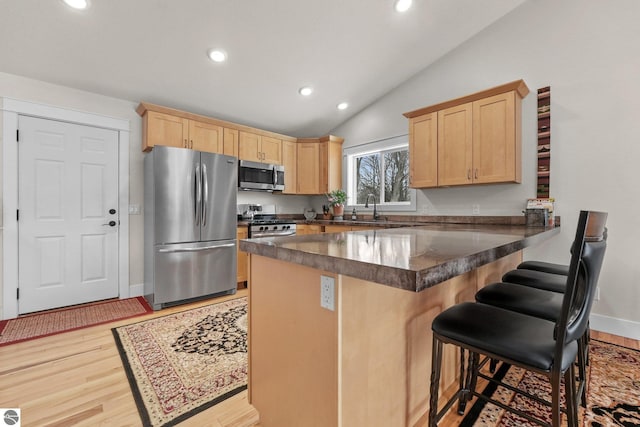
x,y
136,290
612,325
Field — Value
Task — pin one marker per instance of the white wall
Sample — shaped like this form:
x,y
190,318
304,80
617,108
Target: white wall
x,y
587,51
25,89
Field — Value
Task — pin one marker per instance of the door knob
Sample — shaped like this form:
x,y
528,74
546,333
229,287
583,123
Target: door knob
x,y
111,223
112,211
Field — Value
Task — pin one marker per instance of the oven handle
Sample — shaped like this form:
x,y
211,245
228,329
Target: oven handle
x,y
260,234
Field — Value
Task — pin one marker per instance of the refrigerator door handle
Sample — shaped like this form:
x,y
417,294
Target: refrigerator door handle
x,y
205,198
198,195
204,248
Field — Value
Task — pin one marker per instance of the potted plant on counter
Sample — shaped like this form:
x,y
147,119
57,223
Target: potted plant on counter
x,y
337,199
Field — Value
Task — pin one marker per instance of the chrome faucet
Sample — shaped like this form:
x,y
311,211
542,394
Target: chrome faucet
x,y
375,210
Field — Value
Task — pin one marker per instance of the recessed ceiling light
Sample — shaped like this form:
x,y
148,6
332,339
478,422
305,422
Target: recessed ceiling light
x,y
402,5
343,106
217,55
77,4
305,91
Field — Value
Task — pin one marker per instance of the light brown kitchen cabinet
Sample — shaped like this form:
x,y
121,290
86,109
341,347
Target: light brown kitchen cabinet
x,y
164,129
478,139
230,142
173,131
243,257
455,150
259,148
496,139
308,168
423,151
319,164
303,229
290,163
205,137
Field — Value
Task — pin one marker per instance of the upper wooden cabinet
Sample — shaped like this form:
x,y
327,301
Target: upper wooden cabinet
x,y
164,129
205,137
290,163
476,139
423,151
319,165
308,168
166,126
231,142
258,148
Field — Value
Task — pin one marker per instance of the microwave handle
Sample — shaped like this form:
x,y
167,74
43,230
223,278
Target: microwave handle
x,y
275,176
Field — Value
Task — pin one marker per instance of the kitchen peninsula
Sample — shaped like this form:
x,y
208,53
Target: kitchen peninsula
x,y
367,361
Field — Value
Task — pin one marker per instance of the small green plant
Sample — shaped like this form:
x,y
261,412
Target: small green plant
x,y
337,197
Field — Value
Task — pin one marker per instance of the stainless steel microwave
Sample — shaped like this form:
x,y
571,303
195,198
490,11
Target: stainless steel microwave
x,y
260,176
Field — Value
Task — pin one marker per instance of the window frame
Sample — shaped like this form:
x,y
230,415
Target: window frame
x,y
381,146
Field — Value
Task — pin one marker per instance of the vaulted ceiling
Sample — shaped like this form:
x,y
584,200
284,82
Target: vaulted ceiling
x,y
156,51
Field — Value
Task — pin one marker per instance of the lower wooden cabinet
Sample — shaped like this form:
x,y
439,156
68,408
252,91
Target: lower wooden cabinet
x,y
243,257
302,229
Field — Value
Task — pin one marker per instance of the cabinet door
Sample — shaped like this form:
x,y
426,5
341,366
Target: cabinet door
x,y
230,142
290,162
249,147
165,129
423,151
455,145
205,137
336,228
496,153
271,149
308,168
243,257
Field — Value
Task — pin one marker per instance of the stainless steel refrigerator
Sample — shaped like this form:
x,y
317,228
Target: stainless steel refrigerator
x,y
190,225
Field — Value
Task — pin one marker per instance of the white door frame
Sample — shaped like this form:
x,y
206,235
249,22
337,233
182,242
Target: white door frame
x,y
13,108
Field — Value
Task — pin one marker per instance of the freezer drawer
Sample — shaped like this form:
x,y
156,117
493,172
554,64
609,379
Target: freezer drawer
x,y
186,271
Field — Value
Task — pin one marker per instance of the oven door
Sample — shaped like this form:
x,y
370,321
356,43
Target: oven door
x,y
257,176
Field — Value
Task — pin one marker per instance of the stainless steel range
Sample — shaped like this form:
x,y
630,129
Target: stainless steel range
x,y
263,221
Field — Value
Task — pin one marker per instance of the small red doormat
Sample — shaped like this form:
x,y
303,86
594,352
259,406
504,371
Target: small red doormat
x,y
53,322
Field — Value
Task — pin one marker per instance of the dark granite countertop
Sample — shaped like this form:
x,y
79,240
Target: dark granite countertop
x,y
412,258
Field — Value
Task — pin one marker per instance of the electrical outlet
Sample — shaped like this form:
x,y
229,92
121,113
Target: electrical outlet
x,y
596,297
475,209
327,290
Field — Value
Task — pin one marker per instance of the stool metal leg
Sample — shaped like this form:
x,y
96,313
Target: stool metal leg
x,y
436,363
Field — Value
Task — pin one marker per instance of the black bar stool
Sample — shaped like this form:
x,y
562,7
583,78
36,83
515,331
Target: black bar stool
x,y
533,343
540,294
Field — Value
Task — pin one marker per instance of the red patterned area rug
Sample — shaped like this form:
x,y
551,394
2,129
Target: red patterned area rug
x,y
183,363
613,392
51,322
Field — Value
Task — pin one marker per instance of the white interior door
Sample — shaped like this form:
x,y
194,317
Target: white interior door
x,y
68,219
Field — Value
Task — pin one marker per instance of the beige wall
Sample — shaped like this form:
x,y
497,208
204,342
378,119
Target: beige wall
x,y
585,50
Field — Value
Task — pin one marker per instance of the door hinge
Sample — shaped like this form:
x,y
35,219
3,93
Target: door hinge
x,y
17,293
17,135
17,214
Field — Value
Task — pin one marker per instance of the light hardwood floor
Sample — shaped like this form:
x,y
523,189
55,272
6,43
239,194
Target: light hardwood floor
x,y
77,378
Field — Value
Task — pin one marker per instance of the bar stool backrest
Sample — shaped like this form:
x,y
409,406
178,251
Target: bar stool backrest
x,y
586,262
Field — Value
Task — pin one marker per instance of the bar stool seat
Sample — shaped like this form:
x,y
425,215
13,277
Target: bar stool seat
x,y
523,340
522,299
545,267
537,279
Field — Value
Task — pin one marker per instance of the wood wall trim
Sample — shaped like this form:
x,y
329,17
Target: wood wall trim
x,y
143,107
519,86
